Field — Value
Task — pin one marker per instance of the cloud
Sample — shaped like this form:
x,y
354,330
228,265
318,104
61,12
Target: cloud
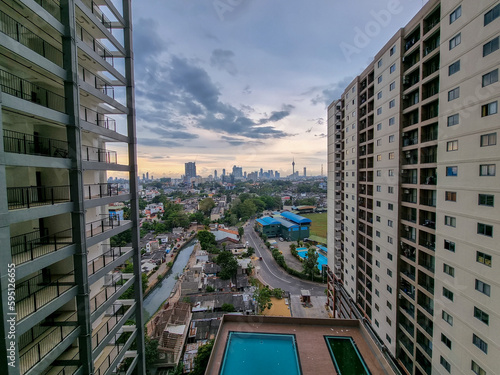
x,y
170,133
155,142
277,115
318,121
247,90
147,40
309,130
328,93
222,60
239,142
322,135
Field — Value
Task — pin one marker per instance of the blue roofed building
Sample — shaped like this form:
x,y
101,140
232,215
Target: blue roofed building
x,y
268,226
290,226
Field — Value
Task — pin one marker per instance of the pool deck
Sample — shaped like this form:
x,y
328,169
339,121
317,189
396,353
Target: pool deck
x,y
313,351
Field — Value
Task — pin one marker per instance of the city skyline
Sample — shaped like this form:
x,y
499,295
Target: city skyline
x,y
234,96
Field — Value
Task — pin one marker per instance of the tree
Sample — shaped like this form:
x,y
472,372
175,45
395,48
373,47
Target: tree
x,y
263,298
151,351
310,264
228,265
227,307
207,239
241,231
201,360
278,293
206,205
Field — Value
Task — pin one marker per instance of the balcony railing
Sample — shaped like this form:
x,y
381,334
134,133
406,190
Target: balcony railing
x,y
33,196
39,290
51,6
107,324
106,258
39,349
98,13
110,357
22,143
96,82
100,226
96,46
107,292
96,118
26,90
99,155
96,191
71,356
28,38
428,201
29,246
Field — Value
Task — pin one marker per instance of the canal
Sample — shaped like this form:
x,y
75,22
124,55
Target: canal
x,y
158,295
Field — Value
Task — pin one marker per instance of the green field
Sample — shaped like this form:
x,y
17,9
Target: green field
x,y
319,225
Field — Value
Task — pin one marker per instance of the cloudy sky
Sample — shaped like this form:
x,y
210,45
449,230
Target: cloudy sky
x,y
247,82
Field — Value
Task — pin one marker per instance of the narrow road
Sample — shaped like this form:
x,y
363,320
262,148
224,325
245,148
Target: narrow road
x,y
270,273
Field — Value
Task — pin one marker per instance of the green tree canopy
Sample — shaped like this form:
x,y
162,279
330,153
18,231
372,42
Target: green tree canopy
x,y
228,265
263,298
201,359
207,239
206,205
310,264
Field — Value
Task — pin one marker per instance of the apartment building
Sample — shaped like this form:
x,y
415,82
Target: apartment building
x,y
416,256
66,106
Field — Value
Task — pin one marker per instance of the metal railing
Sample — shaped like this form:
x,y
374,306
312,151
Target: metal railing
x,y
22,143
13,29
35,354
93,43
96,118
29,246
99,155
67,369
95,191
98,13
51,6
106,258
38,291
101,370
100,226
101,333
98,83
106,293
33,196
21,88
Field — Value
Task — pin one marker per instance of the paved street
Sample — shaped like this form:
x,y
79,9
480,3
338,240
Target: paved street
x,y
270,273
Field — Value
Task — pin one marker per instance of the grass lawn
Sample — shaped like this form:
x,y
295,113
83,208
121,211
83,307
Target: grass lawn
x,y
319,224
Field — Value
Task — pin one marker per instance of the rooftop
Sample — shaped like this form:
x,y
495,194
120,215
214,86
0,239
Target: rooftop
x,y
267,220
296,218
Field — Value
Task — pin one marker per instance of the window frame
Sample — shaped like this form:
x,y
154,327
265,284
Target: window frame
x,y
489,78
455,41
491,46
456,14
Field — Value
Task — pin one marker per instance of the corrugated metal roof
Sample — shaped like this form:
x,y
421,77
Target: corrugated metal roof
x,y
296,218
267,220
286,223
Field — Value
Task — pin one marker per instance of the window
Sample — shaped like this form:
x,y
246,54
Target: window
x,y
389,289
453,120
489,139
392,86
379,79
481,344
392,121
455,41
391,173
489,109
376,321
377,219
476,369
491,46
448,294
379,157
377,233
377,263
487,169
379,63
483,258
391,138
392,51
377,248
379,142
392,103
447,317
389,273
445,363
379,126
450,221
451,146
483,287
486,200
454,68
390,223
379,188
388,322
485,230
379,173
379,95
445,340
449,245
454,94
390,189
490,78
390,206
448,270
452,171
377,278
450,196
377,308
481,315
378,204
391,155
392,69
389,256
379,111
389,239
491,15
455,14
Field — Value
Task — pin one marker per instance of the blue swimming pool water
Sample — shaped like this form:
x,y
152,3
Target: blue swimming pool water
x,y
321,258
260,353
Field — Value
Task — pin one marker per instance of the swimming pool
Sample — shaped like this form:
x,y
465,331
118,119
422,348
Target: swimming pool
x,y
260,353
346,356
321,258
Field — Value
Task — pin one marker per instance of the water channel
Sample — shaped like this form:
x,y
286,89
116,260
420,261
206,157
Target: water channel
x,y
158,295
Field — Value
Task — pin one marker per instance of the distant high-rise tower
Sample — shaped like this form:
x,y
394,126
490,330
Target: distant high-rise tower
x,y
223,172
147,176
189,170
293,167
305,173
215,174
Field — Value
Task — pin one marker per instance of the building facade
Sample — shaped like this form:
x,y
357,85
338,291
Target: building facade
x,y
189,170
412,154
66,98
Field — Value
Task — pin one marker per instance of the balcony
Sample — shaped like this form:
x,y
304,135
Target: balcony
x,y
98,83
38,291
427,219
107,324
411,99
430,110
42,345
432,21
408,307
101,226
430,88
428,198
98,119
29,246
108,355
408,251
106,258
411,59
431,66
426,303
412,39
97,12
109,290
409,196
431,44
428,155
424,343
407,289
426,282
99,155
70,357
429,133
51,6
425,323
408,326
95,45
410,138
97,191
28,38
407,270
427,240
29,144
410,118
34,196
26,90
411,79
